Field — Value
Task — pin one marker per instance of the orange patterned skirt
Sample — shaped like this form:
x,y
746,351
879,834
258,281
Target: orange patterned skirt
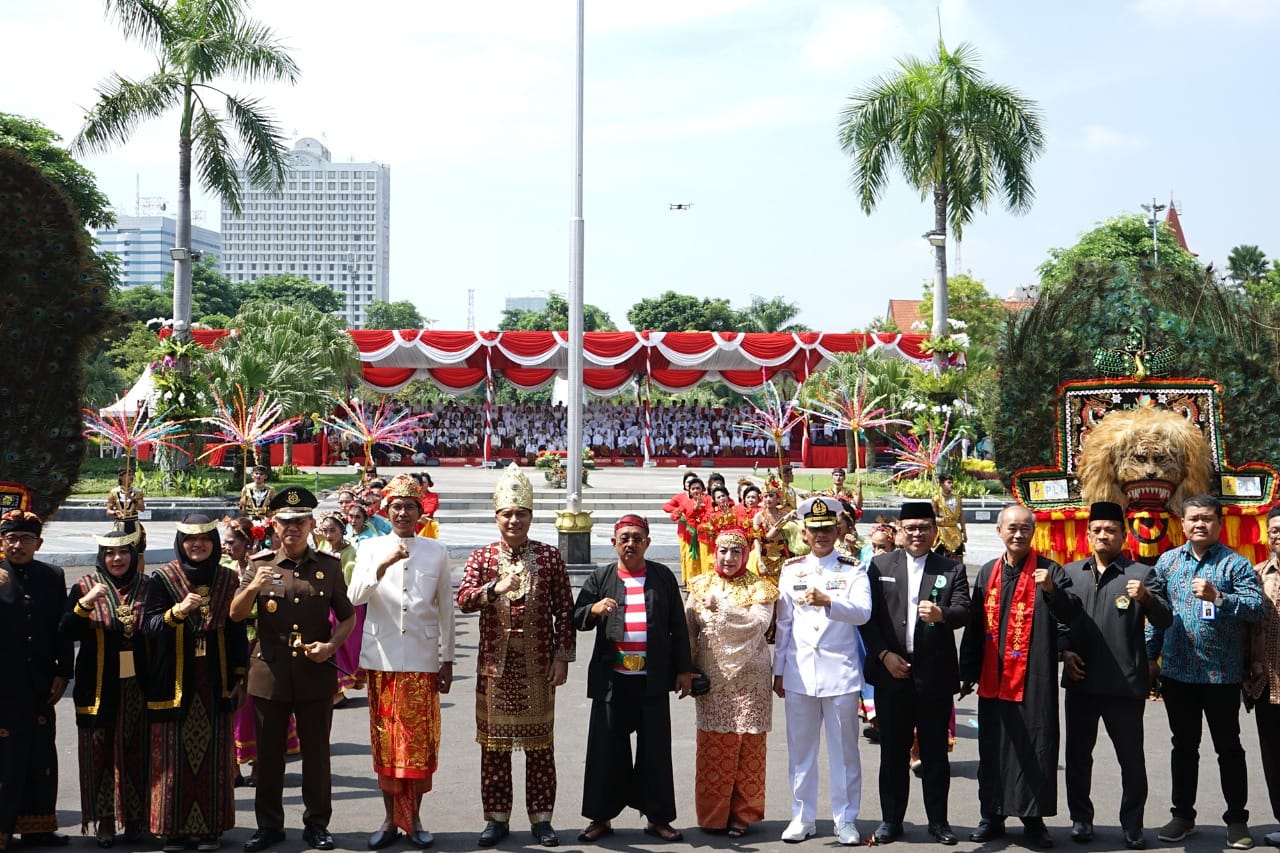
x,y
404,733
729,789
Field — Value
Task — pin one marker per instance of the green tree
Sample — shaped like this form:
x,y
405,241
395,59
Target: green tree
x,y
196,43
677,312
1246,265
211,291
294,353
40,146
291,289
954,134
770,315
555,317
402,314
1123,243
142,303
970,302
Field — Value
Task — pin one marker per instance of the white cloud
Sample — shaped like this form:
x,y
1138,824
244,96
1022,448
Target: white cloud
x,y
1175,12
849,36
1103,139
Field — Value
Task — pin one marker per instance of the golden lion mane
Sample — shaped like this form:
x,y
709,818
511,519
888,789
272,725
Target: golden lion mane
x,y
1108,456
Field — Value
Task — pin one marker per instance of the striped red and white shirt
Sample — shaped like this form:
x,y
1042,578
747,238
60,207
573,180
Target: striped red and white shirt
x,y
631,652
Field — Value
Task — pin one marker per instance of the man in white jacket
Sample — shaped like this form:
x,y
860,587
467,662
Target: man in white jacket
x,y
407,650
817,670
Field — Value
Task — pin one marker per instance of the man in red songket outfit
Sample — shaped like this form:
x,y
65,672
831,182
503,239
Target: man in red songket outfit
x,y
1020,603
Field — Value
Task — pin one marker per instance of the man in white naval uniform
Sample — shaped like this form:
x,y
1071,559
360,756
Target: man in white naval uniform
x,y
817,670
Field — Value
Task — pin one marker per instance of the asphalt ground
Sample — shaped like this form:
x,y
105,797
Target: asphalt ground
x,y
452,810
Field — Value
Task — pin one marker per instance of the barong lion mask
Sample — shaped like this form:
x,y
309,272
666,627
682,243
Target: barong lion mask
x,y
1144,458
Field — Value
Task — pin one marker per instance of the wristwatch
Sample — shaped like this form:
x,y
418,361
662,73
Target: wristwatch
x,y
1217,602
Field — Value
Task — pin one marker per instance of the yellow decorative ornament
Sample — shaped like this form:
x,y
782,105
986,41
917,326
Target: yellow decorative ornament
x,y
513,490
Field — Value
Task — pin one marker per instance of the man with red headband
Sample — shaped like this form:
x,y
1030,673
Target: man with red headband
x,y
1020,602
641,654
522,591
35,667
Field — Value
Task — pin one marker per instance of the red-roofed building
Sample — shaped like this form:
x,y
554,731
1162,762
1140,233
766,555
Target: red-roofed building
x,y
905,313
1175,225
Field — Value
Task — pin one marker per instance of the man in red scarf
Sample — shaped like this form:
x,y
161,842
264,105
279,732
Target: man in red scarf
x,y
1020,603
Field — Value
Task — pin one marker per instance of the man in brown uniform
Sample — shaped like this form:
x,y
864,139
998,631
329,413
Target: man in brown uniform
x,y
294,588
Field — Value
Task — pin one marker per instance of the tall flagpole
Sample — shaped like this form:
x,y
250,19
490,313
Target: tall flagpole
x,y
574,484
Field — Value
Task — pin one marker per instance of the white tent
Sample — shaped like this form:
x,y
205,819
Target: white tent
x,y
136,399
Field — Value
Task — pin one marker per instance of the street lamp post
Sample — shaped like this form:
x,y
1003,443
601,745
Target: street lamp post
x,y
938,240
1153,222
573,524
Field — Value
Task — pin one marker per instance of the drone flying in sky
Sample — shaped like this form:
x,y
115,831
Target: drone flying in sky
x,y
680,205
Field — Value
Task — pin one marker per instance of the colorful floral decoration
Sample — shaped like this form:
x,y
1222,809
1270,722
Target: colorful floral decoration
x,y
247,427
130,434
774,417
850,408
380,424
922,455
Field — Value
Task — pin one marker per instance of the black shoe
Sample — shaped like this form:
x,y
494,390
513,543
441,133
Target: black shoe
x,y
987,830
1081,831
45,839
1135,840
545,834
871,733
943,834
886,832
494,831
1036,833
262,839
421,839
318,838
383,838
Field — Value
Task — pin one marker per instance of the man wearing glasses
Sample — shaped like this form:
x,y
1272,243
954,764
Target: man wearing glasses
x,y
918,601
34,670
295,588
1009,652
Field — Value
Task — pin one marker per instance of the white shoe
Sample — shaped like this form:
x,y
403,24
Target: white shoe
x,y
848,834
798,830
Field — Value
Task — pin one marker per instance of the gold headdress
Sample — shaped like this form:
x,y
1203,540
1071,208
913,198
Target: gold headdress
x,y
402,486
513,490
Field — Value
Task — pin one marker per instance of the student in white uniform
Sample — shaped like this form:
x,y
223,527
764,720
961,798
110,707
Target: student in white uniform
x,y
823,598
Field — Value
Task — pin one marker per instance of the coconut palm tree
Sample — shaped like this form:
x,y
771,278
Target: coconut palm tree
x,y
196,43
954,134
771,315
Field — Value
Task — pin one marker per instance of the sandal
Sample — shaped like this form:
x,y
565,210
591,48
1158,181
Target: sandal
x,y
174,845
595,830
664,831
208,844
737,831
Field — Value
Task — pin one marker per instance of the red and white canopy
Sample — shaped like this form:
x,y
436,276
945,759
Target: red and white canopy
x,y
674,361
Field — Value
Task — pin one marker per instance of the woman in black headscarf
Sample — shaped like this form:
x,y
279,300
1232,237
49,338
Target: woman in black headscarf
x,y
197,661
104,614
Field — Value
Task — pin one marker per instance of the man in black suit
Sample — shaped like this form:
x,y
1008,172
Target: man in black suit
x,y
918,600
1105,670
641,654
35,666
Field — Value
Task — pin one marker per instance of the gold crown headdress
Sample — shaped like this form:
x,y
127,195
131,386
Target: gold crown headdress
x,y
513,490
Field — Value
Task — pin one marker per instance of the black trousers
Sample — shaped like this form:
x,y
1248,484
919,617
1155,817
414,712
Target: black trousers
x,y
903,713
1268,719
28,768
1122,717
1188,706
314,720
611,781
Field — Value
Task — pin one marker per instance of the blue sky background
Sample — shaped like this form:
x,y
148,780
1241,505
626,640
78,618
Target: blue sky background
x,y
729,104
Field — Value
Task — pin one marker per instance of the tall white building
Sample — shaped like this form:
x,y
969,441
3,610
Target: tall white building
x,y
143,242
330,224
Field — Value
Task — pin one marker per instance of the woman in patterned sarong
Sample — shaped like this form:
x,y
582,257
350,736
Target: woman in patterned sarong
x,y
332,529
104,614
728,613
197,657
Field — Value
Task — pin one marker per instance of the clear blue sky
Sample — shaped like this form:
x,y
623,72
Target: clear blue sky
x,y
730,105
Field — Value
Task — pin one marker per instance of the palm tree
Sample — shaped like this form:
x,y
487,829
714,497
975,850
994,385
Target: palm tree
x,y
954,134
196,42
1247,264
294,353
771,315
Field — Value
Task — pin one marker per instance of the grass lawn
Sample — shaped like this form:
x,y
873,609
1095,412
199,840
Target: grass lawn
x,y
98,476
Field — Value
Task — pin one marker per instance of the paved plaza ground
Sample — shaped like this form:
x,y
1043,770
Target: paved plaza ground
x,y
452,810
